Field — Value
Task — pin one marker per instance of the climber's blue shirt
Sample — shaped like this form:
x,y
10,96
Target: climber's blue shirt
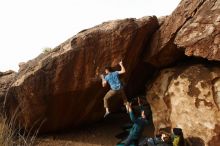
x,y
113,79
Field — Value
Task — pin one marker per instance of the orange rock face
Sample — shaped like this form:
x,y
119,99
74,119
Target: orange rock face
x,y
192,29
189,98
62,88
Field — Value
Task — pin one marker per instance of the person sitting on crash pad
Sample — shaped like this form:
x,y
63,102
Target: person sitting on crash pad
x,y
151,141
162,138
137,128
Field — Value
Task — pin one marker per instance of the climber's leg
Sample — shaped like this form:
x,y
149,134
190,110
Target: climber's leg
x,y
108,95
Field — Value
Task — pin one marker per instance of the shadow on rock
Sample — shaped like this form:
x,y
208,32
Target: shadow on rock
x,y
195,141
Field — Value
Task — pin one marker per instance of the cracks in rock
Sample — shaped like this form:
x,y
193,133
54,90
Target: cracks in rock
x,y
165,95
189,18
166,98
214,92
214,3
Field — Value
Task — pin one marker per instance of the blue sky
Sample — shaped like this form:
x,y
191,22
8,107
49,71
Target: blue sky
x,y
28,26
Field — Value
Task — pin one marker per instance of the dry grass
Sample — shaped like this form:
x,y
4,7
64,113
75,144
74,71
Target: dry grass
x,y
12,136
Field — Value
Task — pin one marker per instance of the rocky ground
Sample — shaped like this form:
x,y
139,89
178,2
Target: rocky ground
x,y
102,133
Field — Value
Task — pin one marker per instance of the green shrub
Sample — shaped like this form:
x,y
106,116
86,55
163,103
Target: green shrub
x,y
47,50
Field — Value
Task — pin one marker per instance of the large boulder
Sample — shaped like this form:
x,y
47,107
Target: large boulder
x,y
200,35
192,29
62,89
188,97
6,78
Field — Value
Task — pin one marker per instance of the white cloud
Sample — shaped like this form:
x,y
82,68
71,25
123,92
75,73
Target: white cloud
x,y
27,26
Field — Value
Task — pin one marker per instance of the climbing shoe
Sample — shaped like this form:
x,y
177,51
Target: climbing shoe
x,y
106,114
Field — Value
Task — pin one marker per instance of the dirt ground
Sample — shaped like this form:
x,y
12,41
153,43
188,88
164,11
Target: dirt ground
x,y
101,134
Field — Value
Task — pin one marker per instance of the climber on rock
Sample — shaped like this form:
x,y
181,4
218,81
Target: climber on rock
x,y
137,128
112,78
